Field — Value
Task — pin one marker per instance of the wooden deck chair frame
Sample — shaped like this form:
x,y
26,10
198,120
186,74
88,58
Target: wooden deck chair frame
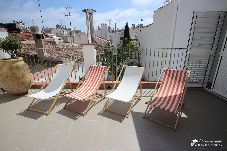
x,y
133,101
47,112
91,97
179,110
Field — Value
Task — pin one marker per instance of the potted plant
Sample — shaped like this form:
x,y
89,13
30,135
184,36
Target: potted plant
x,y
15,76
11,45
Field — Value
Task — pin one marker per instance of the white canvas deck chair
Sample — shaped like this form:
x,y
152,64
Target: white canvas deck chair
x,y
127,90
54,88
86,90
170,94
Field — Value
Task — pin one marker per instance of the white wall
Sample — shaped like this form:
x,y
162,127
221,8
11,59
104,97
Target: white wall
x,y
104,31
60,32
160,33
184,17
157,35
97,32
89,53
171,25
80,38
115,37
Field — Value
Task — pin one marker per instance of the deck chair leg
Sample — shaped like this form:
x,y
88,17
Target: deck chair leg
x,y
106,104
32,109
33,101
52,106
40,111
137,101
174,126
148,109
132,105
129,111
104,87
90,105
178,117
67,103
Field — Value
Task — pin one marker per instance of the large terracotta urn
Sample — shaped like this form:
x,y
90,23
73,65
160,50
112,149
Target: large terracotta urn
x,y
15,76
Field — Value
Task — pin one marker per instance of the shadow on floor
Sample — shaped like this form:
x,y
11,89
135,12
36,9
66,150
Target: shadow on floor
x,y
69,114
201,122
112,116
74,108
30,114
118,107
4,98
41,105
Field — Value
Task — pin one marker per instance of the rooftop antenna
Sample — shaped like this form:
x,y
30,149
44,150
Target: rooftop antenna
x,y
41,16
33,24
68,9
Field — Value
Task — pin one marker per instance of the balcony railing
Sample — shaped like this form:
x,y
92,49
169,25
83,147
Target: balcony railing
x,y
162,58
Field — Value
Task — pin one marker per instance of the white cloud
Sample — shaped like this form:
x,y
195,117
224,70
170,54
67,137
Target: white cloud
x,y
132,16
142,2
51,16
29,11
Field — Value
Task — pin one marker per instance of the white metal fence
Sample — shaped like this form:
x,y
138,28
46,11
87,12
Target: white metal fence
x,y
160,58
76,75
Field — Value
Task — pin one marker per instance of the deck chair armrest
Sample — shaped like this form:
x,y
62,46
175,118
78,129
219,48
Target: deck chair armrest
x,y
118,78
81,81
115,84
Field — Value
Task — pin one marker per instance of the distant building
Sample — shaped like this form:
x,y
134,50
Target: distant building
x,y
15,27
115,35
34,29
11,27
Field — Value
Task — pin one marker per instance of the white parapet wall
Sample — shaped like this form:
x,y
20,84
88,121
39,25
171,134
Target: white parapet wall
x,y
185,13
89,55
171,26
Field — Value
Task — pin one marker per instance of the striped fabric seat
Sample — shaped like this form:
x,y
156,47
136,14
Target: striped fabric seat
x,y
91,83
170,92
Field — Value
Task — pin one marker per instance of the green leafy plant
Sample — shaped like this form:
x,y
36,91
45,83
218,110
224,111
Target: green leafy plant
x,y
127,50
126,53
106,56
11,45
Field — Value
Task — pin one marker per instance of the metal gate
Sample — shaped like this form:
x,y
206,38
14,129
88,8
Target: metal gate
x,y
219,85
203,41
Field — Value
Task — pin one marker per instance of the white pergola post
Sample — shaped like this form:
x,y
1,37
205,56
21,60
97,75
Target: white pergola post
x,y
89,55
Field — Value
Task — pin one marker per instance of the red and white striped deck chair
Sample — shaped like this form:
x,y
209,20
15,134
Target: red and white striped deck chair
x,y
170,95
87,88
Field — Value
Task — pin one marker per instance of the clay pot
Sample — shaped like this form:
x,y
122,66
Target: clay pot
x,y
15,76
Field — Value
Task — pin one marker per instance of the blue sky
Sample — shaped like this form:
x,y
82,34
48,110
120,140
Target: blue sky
x,y
53,11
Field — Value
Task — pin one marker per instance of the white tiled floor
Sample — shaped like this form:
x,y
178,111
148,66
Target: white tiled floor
x,y
64,130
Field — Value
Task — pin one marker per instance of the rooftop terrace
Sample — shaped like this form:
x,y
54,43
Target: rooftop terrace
x,y
204,118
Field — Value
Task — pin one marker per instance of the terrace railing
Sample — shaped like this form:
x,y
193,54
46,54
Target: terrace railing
x,y
44,75
161,58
